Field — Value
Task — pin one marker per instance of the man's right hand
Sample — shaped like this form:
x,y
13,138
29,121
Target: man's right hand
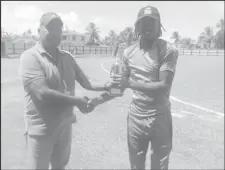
x,y
82,104
85,105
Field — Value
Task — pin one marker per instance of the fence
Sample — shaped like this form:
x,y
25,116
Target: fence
x,y
80,50
201,52
18,48
11,49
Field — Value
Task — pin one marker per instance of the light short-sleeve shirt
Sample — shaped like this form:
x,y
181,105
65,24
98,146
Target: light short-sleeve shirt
x,y
59,73
144,67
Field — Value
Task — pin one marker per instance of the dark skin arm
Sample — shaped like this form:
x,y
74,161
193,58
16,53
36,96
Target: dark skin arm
x,y
154,89
104,97
161,87
151,89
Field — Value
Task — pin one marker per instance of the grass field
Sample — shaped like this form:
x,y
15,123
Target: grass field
x,y
99,139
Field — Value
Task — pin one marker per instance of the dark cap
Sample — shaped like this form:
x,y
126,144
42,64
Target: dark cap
x,y
149,11
48,17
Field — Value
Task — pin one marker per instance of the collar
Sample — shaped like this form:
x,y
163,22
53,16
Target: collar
x,y
42,50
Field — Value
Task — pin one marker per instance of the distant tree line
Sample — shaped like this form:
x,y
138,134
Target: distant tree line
x,y
207,39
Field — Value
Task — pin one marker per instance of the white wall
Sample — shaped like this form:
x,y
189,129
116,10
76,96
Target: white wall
x,y
78,40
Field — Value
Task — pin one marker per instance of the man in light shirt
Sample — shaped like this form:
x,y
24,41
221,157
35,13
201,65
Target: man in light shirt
x,y
48,76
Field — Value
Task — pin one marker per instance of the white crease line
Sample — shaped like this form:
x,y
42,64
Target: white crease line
x,y
178,100
177,115
104,68
196,106
183,111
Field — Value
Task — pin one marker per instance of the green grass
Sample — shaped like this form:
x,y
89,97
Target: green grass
x,y
99,139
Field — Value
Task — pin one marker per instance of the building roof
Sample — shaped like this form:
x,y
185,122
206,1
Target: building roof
x,y
73,33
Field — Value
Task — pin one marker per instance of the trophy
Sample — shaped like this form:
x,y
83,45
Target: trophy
x,y
116,70
115,91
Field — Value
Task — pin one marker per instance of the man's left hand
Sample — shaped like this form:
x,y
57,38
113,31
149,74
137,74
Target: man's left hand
x,y
121,81
89,107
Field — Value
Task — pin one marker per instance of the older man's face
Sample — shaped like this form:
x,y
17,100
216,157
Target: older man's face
x,y
52,34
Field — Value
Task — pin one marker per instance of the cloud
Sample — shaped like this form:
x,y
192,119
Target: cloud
x,y
105,24
217,6
27,16
27,13
22,18
71,20
98,20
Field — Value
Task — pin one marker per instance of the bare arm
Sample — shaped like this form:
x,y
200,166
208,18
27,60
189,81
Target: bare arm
x,y
156,88
43,95
104,97
166,75
33,79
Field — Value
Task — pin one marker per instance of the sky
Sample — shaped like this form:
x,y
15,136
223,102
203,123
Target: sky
x,y
187,17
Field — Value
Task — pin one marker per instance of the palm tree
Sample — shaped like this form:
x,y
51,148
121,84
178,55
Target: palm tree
x,y
106,40
126,35
201,39
208,33
220,24
113,37
186,42
29,32
130,38
176,37
219,37
93,33
24,34
122,36
129,35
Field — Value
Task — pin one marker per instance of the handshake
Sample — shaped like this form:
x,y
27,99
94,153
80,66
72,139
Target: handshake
x,y
85,105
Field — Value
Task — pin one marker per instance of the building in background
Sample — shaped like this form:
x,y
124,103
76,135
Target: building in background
x,y
74,38
24,40
16,44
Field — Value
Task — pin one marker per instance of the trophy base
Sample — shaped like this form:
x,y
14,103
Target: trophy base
x,y
115,92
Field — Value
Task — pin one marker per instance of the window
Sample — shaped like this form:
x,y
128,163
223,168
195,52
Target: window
x,y
74,37
82,38
64,37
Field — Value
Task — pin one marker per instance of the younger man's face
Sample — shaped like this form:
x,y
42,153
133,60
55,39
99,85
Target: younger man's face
x,y
148,28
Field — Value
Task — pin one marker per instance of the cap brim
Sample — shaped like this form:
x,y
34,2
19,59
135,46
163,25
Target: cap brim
x,y
56,19
151,17
146,16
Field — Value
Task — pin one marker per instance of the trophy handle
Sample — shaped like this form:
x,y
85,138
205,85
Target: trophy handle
x,y
112,69
116,49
